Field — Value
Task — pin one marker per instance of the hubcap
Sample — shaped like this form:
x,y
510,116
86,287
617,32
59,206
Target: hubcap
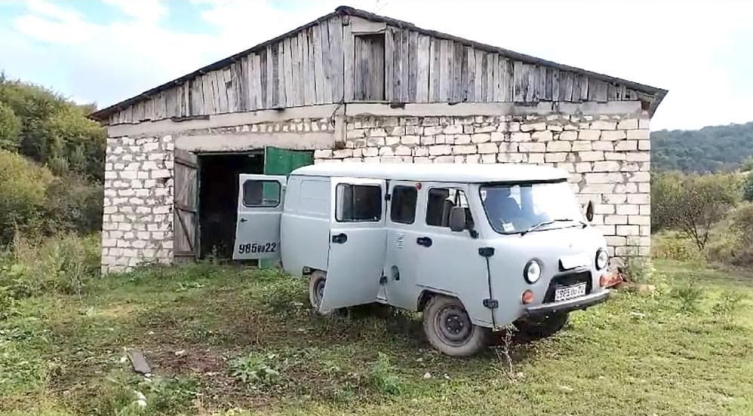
x,y
453,325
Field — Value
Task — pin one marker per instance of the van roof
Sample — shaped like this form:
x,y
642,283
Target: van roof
x,y
439,172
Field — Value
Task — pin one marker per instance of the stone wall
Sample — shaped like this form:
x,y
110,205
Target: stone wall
x,y
137,221
608,157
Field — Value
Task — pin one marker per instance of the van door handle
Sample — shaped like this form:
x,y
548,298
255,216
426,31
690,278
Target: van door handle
x,y
339,238
424,241
243,220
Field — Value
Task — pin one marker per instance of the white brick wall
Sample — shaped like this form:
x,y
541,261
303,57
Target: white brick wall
x,y
608,157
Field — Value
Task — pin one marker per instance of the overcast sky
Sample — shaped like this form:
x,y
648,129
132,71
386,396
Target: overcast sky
x,y
105,51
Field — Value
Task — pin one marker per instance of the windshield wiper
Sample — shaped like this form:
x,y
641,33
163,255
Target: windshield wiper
x,y
545,223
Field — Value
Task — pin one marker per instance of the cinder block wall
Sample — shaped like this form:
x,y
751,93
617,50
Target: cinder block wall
x,y
608,157
138,201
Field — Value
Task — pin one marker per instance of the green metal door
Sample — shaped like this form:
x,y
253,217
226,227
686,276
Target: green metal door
x,y
283,161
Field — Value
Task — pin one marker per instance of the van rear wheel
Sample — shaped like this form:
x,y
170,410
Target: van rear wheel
x,y
316,289
449,329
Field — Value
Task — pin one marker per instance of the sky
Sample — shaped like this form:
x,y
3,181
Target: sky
x,y
105,51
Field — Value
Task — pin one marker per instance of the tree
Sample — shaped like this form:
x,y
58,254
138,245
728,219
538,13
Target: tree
x,y
10,128
23,187
692,203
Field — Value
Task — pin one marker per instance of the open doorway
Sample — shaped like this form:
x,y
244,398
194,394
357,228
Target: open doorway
x,y
218,199
218,176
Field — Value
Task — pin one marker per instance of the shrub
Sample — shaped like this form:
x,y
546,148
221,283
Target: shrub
x,y
23,185
689,295
256,369
729,303
382,376
10,128
637,270
64,264
748,187
674,247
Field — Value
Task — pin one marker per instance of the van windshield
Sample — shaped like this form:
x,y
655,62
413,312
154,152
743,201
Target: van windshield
x,y
520,208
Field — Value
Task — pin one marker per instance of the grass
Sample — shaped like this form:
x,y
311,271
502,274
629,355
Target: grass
x,y
229,340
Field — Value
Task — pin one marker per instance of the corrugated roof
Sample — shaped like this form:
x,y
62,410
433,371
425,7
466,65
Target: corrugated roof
x,y
659,93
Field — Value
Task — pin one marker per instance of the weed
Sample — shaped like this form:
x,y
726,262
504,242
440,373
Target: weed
x,y
504,350
729,303
382,376
637,270
689,295
256,369
170,396
286,296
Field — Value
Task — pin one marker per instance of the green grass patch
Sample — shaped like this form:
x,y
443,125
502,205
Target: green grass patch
x,y
232,340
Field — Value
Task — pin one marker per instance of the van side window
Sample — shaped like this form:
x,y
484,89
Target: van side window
x,y
403,207
264,194
358,203
440,203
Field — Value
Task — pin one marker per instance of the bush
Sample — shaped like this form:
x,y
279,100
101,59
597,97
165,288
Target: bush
x,y
23,186
10,128
382,377
729,303
672,246
256,369
64,264
637,270
748,187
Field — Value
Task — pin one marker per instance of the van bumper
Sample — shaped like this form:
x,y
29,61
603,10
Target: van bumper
x,y
582,302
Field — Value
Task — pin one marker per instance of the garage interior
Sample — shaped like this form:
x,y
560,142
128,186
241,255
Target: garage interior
x,y
218,199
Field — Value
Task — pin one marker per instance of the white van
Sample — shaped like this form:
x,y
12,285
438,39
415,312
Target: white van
x,y
475,247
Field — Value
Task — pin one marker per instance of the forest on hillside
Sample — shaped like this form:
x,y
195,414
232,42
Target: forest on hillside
x,y
710,149
51,163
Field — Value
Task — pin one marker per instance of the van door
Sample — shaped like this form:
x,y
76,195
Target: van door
x,y
257,233
449,262
356,243
402,252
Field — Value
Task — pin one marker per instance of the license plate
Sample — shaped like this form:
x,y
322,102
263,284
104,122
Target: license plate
x,y
569,292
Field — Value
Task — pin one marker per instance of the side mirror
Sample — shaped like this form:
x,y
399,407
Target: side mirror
x,y
457,219
590,211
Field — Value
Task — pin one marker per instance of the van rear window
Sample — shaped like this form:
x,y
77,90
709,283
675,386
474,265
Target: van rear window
x,y
258,193
358,203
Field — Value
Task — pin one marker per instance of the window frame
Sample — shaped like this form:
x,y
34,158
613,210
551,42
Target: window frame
x,y
338,205
262,181
415,204
448,188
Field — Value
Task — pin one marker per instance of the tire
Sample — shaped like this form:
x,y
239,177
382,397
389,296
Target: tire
x,y
449,329
316,290
537,328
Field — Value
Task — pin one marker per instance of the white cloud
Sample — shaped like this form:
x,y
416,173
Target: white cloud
x,y
145,11
665,44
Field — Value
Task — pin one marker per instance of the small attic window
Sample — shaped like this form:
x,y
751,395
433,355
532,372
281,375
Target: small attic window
x,y
369,67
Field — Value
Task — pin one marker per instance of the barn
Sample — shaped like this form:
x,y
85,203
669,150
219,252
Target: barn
x,y
353,86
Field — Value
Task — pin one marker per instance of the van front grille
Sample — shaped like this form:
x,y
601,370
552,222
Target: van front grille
x,y
568,279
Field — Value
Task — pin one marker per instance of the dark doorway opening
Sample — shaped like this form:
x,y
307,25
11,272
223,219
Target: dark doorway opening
x,y
218,199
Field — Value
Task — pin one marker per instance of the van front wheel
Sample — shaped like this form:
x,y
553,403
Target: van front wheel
x,y
449,329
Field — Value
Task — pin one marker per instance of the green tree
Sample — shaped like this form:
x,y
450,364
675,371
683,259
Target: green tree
x,y
53,130
10,128
692,203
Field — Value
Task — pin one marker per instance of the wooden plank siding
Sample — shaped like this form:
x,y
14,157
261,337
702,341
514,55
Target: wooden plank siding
x,y
346,60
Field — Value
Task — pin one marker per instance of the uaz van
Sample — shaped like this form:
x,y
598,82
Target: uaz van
x,y
474,247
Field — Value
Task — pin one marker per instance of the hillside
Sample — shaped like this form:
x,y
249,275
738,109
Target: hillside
x,y
710,149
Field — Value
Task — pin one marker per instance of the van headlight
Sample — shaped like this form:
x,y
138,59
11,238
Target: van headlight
x,y
602,258
532,271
